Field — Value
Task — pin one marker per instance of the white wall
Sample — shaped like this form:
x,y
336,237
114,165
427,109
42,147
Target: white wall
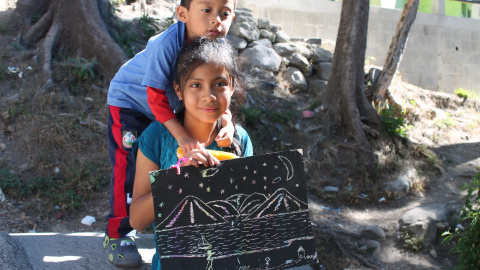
x,y
442,52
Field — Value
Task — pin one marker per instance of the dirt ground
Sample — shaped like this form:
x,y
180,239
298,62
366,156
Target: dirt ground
x,y
444,123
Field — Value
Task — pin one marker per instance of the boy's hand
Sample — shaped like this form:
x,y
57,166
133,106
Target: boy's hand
x,y
225,135
188,144
200,156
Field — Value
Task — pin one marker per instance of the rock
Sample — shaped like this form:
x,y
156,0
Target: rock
x,y
12,254
373,232
422,220
263,23
282,37
316,86
3,146
403,183
321,55
275,28
317,41
297,39
323,70
285,49
237,42
262,57
261,42
299,61
267,34
247,30
374,246
433,253
305,50
438,114
295,79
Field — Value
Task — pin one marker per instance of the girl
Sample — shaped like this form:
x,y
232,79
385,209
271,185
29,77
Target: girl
x,y
207,81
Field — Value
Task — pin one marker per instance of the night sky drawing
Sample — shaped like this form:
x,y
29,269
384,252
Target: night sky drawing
x,y
246,213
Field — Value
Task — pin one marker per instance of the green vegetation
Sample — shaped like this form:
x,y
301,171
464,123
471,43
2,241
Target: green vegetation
x,y
413,242
394,121
252,116
83,69
465,94
467,241
148,26
444,123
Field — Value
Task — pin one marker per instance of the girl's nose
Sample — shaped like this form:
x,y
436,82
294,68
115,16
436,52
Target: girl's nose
x,y
208,95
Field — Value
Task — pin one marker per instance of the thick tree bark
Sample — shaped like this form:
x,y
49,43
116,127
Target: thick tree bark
x,y
395,53
348,111
75,27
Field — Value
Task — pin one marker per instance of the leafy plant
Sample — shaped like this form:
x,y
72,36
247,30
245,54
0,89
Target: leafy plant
x,y
393,121
467,244
413,242
252,116
148,26
465,93
83,69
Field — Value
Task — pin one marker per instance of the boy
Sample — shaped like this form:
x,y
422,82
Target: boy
x,y
142,92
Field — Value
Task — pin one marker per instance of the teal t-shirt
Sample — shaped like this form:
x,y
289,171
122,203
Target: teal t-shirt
x,y
158,145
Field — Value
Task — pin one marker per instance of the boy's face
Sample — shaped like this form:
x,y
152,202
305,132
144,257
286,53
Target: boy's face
x,y
207,18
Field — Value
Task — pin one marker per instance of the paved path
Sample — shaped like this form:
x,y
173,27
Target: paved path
x,y
58,251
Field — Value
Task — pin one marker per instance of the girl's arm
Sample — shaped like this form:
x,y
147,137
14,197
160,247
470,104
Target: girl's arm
x,y
141,208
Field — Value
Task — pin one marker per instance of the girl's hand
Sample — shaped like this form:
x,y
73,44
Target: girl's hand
x,y
197,157
225,135
188,144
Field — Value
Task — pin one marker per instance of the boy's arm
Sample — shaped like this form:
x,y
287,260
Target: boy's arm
x,y
158,102
225,135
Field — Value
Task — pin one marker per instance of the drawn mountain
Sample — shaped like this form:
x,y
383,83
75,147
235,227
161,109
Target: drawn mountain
x,y
191,211
281,201
252,202
224,208
237,199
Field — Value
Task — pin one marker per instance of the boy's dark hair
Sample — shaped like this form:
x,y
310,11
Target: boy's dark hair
x,y
216,51
186,3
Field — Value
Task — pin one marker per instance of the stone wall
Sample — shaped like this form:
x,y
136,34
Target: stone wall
x,y
441,53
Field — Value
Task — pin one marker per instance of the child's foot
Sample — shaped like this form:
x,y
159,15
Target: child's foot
x,y
122,251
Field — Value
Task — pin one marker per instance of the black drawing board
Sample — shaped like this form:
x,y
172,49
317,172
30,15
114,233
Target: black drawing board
x,y
246,213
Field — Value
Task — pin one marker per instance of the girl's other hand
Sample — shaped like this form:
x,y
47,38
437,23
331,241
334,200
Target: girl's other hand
x,y
197,157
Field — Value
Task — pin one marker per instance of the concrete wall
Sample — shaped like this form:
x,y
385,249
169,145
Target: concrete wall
x,y
442,53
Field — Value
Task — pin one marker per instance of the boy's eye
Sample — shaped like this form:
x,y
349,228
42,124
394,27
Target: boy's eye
x,y
226,13
206,10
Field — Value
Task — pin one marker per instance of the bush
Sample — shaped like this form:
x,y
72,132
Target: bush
x,y
393,121
468,239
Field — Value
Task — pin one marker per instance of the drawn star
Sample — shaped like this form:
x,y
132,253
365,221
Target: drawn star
x,y
246,167
265,187
276,166
264,164
231,180
186,175
296,185
236,186
201,185
180,191
159,215
244,178
222,191
254,182
208,189
161,204
264,178
254,171
170,187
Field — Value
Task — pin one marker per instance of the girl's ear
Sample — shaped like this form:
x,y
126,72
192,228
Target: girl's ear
x,y
177,91
182,13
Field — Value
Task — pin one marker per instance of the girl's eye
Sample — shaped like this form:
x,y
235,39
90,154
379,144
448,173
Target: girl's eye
x,y
220,84
195,85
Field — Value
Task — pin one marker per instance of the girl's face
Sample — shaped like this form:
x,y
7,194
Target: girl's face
x,y
207,93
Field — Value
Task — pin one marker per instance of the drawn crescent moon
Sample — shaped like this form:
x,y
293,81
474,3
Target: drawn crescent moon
x,y
288,165
209,172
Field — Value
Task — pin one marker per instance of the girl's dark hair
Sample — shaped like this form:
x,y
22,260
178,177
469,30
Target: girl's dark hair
x,y
212,51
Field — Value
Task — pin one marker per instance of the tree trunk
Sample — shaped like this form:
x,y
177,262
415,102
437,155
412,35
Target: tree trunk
x,y
349,114
397,47
75,27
